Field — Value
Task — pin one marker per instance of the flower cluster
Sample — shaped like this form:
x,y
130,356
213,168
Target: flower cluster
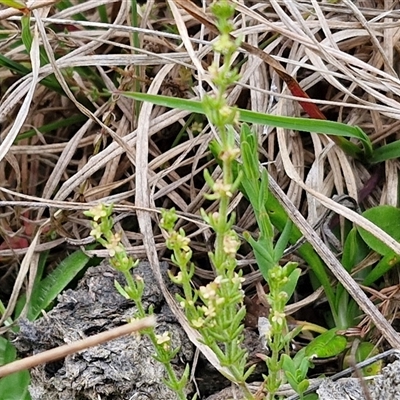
x,y
102,224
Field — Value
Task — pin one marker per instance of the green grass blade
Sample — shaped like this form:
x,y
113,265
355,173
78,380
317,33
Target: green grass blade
x,y
64,5
387,152
51,286
26,34
39,274
19,5
386,263
75,119
50,81
337,129
13,66
102,10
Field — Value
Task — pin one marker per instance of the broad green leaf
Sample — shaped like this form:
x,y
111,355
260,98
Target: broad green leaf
x,y
302,124
348,310
328,344
291,379
354,250
299,357
303,385
387,218
311,396
14,386
288,364
304,366
7,351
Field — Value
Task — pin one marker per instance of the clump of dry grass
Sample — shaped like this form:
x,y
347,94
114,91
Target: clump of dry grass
x,y
345,55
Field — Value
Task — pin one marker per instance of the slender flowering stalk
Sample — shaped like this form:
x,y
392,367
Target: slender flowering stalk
x,y
216,310
102,225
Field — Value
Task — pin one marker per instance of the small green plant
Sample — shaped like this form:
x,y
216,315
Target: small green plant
x,y
203,307
282,281
216,310
296,370
102,231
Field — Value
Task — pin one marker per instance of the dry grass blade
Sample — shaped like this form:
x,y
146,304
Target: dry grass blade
x,y
30,5
28,264
24,110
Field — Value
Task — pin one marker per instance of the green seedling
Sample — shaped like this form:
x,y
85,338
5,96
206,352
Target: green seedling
x,y
296,370
328,344
102,231
19,5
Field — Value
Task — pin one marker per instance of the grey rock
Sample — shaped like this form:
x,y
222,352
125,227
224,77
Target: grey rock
x,y
383,387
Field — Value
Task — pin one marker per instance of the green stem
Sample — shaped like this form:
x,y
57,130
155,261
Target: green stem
x,y
138,300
